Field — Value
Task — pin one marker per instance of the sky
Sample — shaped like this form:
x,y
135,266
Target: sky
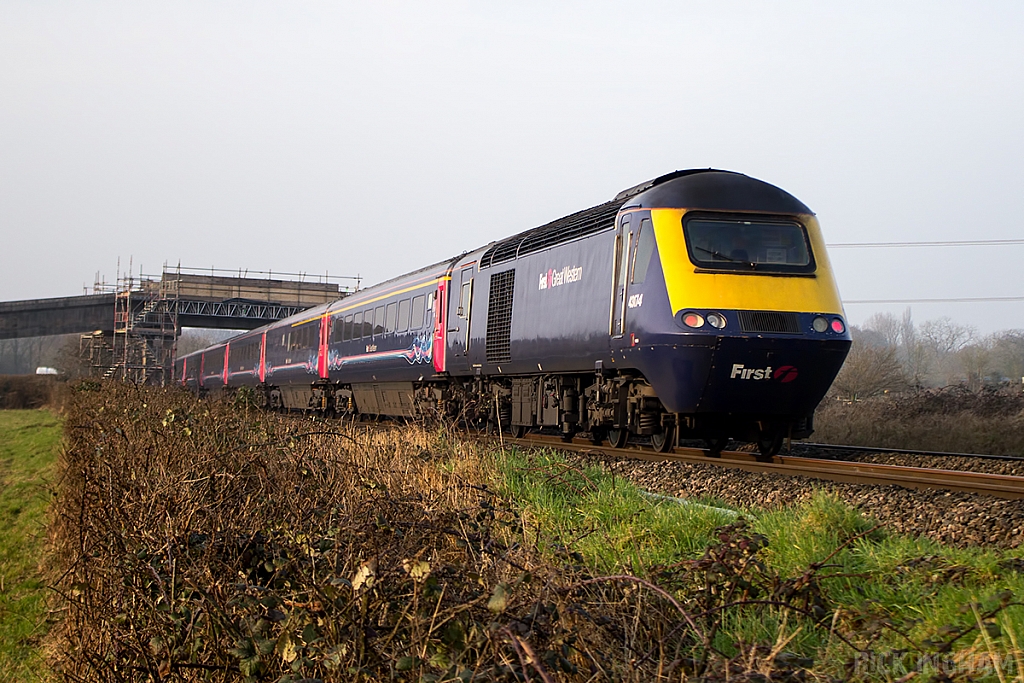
x,y
373,138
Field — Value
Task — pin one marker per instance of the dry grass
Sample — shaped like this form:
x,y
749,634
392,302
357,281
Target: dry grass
x,y
953,419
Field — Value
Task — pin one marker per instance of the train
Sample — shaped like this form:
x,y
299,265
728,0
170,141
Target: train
x,y
700,305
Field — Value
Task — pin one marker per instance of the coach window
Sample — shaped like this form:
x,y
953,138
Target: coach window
x,y
378,321
346,333
403,316
644,251
417,313
391,317
357,326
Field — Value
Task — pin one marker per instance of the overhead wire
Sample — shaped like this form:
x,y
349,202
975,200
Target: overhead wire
x,y
943,243
951,300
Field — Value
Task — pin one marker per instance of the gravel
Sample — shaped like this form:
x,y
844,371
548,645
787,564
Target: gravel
x,y
952,518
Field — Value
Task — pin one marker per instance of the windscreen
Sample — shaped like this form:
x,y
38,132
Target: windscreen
x,y
748,245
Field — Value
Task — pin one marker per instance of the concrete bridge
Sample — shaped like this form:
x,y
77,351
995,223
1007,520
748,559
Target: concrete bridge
x,y
65,315
191,300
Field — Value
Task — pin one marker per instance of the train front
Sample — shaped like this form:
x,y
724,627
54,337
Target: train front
x,y
737,323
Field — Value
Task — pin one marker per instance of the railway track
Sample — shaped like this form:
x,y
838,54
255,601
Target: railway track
x,y
997,485
904,451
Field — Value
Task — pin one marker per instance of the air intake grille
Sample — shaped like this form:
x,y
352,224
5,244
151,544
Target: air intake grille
x,y
579,224
769,321
499,316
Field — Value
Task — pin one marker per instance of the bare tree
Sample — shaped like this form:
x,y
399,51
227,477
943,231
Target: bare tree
x,y
1008,354
868,337
901,334
946,336
868,371
975,360
888,326
943,338
913,354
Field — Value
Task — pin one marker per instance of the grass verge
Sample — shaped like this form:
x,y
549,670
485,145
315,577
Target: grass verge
x,y
874,605
28,450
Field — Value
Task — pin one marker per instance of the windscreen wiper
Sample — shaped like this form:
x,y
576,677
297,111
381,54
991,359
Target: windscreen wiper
x,y
720,255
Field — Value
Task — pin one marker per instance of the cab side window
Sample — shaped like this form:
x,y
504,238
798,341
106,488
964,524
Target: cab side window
x,y
644,251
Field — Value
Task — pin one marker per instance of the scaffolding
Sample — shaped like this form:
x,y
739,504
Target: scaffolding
x,y
145,330
148,310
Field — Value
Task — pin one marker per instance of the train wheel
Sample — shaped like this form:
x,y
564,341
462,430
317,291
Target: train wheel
x,y
663,442
518,431
617,438
770,443
716,445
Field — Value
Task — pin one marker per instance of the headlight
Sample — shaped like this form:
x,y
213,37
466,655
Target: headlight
x,y
693,320
716,320
820,324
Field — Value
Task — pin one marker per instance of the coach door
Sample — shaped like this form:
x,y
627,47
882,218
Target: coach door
x,y
624,245
459,323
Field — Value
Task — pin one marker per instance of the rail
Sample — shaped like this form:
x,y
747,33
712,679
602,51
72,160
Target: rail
x,y
997,485
906,451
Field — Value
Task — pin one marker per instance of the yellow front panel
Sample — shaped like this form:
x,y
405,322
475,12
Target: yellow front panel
x,y
689,289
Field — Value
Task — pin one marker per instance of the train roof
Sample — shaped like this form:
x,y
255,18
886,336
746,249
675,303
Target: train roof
x,y
703,188
711,190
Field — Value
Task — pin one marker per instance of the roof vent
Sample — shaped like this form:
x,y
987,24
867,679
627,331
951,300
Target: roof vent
x,y
579,224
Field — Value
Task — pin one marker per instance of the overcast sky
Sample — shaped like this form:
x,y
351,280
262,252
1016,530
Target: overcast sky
x,y
372,138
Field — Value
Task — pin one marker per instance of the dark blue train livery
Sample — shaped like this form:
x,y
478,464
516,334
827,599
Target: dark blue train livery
x,y
700,304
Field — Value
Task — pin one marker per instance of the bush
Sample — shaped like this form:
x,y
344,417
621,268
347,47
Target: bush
x,y
26,391
200,541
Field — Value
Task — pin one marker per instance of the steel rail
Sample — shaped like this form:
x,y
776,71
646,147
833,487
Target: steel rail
x,y
906,451
997,485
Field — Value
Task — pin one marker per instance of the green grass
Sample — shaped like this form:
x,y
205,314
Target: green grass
x,y
606,519
917,585
29,441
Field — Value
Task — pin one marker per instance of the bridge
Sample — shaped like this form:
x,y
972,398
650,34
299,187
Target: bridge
x,y
131,330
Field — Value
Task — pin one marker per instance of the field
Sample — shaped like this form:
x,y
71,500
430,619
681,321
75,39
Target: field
x,y
212,541
28,451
